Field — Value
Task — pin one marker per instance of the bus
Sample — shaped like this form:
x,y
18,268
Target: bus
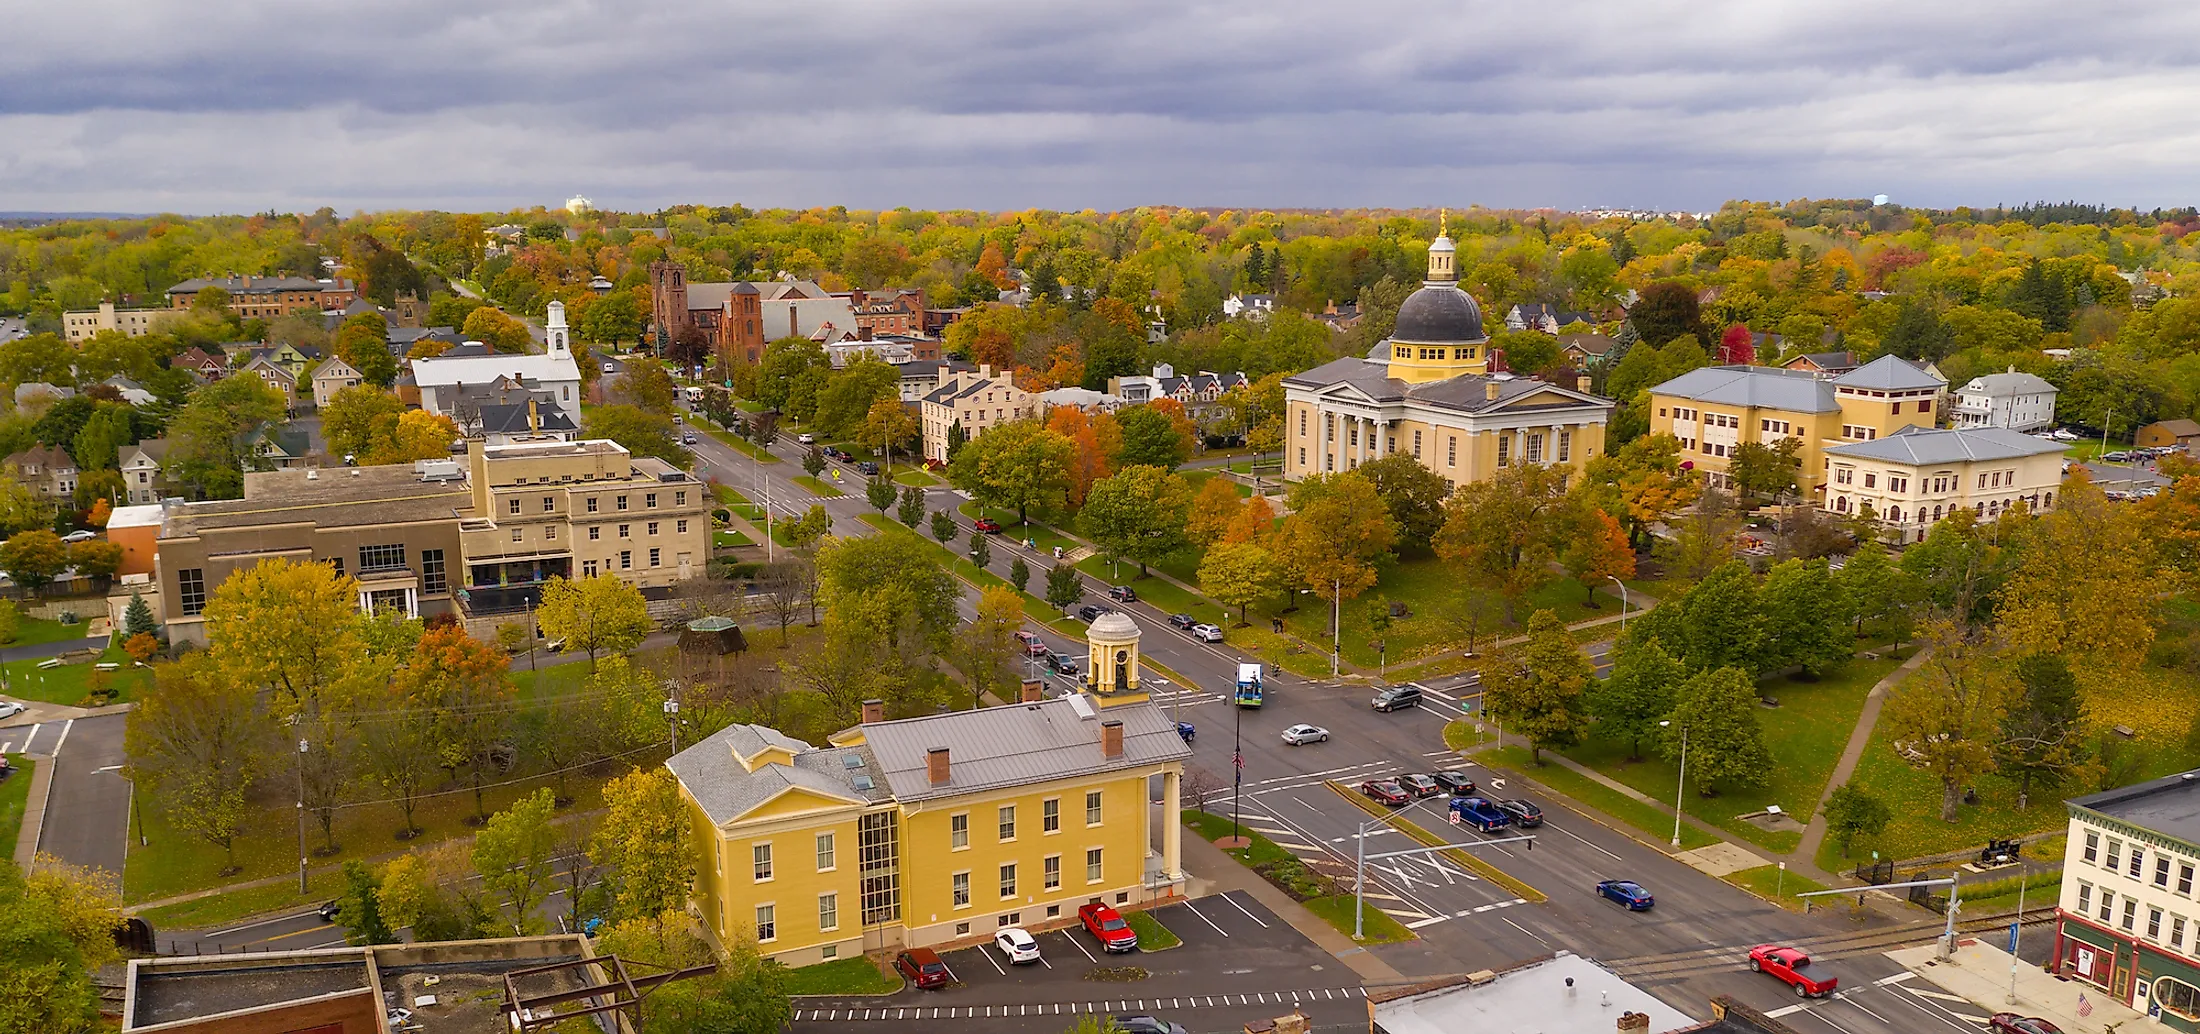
x,y
1248,685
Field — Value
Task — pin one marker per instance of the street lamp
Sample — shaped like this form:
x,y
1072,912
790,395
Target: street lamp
x,y
1622,602
1679,790
1336,623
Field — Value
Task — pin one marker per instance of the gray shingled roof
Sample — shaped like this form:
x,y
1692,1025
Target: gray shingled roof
x,y
727,791
2002,385
1797,391
1929,445
1016,744
1466,392
1888,373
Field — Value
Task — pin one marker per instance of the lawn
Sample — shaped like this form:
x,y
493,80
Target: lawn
x,y
740,504
1437,609
1152,936
1582,790
915,479
729,539
851,976
14,796
1769,883
33,631
1198,479
741,445
818,488
1034,607
1805,735
1378,925
67,684
217,910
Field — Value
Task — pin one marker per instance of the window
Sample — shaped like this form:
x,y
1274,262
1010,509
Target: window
x,y
767,925
680,528
626,531
656,557
1052,868
652,527
588,567
1008,821
1008,879
760,861
2108,904
1416,445
2092,847
1897,484
1011,919
962,889
1451,450
958,831
2176,996
381,558
2184,877
1093,868
550,531
591,504
1302,457
518,534
626,560
549,504
1329,427
1050,816
2154,924
432,577
191,591
1302,423
1092,808
2085,897
828,911
649,501
512,505
2131,914
1844,476
1565,446
1871,480
2177,931
1982,480
595,531
827,853
1535,448
1355,434
1504,450
2138,862
830,951
1925,405
2161,870
622,502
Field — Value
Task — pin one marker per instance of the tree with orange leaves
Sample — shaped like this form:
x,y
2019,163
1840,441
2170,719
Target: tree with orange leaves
x,y
994,266
1600,552
1213,509
1120,313
1253,522
466,685
1098,441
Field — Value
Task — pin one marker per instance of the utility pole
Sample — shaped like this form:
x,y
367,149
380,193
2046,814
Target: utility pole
x,y
301,813
672,711
1680,792
1622,604
1336,624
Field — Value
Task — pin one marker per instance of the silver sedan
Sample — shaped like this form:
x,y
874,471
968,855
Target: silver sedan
x,y
1302,733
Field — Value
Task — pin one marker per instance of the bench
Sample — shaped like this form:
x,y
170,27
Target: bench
x,y
50,662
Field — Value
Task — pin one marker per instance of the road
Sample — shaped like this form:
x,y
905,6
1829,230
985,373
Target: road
x,y
305,928
88,811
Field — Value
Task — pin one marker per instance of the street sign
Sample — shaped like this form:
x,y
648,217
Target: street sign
x,y
1453,816
2012,938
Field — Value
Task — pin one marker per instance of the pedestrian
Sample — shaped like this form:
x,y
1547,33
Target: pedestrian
x,y
1057,552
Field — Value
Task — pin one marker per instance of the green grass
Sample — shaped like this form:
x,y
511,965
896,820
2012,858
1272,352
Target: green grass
x,y
1767,882
228,907
1198,479
1431,589
14,798
1379,926
850,976
2090,449
818,488
915,479
741,445
1152,936
1988,896
1263,852
726,539
1034,608
1805,735
33,631
69,683
1656,822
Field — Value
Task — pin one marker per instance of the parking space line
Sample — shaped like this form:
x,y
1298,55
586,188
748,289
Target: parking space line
x,y
1242,908
1081,948
989,958
1203,918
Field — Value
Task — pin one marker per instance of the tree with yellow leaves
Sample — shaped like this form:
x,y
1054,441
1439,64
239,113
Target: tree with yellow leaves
x,y
643,845
57,927
2084,586
1946,717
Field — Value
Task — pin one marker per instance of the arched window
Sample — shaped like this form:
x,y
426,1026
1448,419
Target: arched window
x,y
1894,514
2048,499
2177,997
1841,504
1936,511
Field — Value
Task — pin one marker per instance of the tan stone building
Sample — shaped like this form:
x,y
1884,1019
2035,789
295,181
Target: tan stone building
x,y
557,508
1427,392
1717,409
1918,475
266,297
81,324
976,400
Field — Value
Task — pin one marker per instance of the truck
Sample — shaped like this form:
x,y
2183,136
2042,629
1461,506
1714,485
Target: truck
x,y
1248,685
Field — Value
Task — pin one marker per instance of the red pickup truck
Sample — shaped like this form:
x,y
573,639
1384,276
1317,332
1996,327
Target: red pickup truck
x,y
1789,965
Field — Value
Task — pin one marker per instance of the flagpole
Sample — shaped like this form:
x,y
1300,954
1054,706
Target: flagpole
x,y
1237,775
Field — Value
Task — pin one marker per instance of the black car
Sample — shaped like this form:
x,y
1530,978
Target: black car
x,y
834,452
1091,612
1454,783
868,468
1524,814
1182,620
1061,664
1122,594
1391,698
1146,1025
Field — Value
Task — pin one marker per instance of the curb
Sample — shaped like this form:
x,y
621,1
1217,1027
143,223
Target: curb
x,y
1519,887
34,810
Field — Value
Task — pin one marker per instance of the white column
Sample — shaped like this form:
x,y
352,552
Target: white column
x,y
1172,819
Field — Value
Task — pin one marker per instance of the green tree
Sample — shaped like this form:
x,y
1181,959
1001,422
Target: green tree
x,y
364,342
1505,532
813,525
1414,495
848,395
1537,687
1852,812
596,615
500,332
644,843
95,558
981,549
57,928
1064,588
639,431
1715,710
1529,351
1138,514
1018,465
2043,734
1667,310
911,510
1332,544
1806,618
613,318
1638,695
197,744
986,648
646,386
880,493
813,461
1767,471
33,558
1019,573
1868,580
943,526
1721,621
1151,438
359,420
887,594
359,910
207,449
887,427
1944,718
513,855
1240,575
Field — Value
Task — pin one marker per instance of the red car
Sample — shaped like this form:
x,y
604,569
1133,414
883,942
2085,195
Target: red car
x,y
987,525
923,968
1106,925
1033,645
2011,1023
1789,965
1386,790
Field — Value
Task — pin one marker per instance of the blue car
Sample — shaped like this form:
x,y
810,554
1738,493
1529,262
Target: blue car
x,y
1479,813
1186,730
1628,893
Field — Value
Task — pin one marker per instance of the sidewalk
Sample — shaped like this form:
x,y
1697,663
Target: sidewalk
x,y
1805,855
1223,873
1980,974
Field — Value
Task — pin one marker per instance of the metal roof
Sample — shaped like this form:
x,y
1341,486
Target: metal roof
x,y
1015,745
1797,391
1930,445
727,791
2003,385
1889,373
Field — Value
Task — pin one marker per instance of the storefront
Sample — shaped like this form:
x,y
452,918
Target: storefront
x,y
2142,975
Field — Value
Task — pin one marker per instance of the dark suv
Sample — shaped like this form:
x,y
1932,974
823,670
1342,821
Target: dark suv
x,y
1391,698
1122,594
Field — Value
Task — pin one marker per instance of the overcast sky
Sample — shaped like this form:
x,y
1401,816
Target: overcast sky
x,y
247,105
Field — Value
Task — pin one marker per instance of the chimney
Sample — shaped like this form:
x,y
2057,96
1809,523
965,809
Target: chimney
x,y
985,371
1034,691
1581,384
1490,390
1634,1023
935,765
534,417
874,711
1111,738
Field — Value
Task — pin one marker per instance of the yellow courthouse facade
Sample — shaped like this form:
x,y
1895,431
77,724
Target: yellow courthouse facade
x,y
1715,410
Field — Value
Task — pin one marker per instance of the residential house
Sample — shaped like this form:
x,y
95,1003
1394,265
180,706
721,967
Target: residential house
x,y
29,393
1249,306
1917,475
892,310
1585,350
1831,364
1717,409
273,446
2126,921
1079,398
276,375
81,324
2017,401
403,340
936,321
1549,319
1428,391
2183,434
920,377
142,475
975,401
1197,392
46,470
266,297
201,364
933,830
444,379
528,421
132,392
332,376
1339,318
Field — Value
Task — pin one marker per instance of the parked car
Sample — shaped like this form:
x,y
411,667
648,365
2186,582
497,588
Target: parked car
x,y
1106,925
1420,785
1524,813
1033,645
9,709
1479,813
1386,791
987,525
1626,892
922,967
1303,733
610,368
1183,621
2011,1023
1061,663
1457,785
1391,698
80,535
1790,966
868,468
1145,1025
1122,594
1206,633
1017,944
1091,611
805,438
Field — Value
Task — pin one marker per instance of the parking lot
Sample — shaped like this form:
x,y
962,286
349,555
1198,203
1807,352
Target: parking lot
x,y
1238,962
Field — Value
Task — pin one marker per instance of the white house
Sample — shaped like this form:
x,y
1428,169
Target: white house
x,y
2017,401
1249,306
443,379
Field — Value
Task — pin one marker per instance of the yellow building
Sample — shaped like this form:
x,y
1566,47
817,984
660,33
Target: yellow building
x,y
1918,475
1717,409
1427,391
932,830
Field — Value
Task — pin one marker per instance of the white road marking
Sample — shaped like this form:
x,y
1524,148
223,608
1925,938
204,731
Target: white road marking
x,y
1248,912
33,737
1937,995
989,958
1895,979
1430,921
1081,948
1525,930
1203,918
65,727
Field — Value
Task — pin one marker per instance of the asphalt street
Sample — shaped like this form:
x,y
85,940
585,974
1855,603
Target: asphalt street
x,y
88,810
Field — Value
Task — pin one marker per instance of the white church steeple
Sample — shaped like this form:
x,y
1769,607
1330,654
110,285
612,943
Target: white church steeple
x,y
554,331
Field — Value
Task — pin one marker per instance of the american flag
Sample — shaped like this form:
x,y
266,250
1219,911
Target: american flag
x,y
1237,760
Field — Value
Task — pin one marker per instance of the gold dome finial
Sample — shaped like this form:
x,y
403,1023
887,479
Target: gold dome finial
x,y
1443,222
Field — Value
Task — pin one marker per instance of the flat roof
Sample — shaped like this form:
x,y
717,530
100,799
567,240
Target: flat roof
x,y
1533,998
2169,805
330,497
167,995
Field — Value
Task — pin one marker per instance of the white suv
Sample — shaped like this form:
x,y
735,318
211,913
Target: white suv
x,y
1206,633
